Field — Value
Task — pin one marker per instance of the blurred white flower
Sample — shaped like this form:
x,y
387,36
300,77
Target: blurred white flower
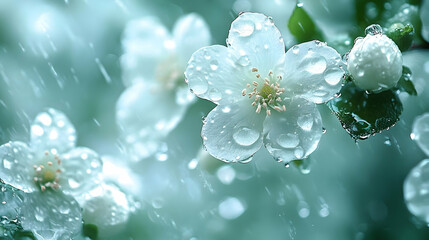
x,y
51,161
107,207
153,64
264,95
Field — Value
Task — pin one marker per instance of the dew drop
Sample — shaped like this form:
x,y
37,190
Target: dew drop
x,y
214,65
305,122
231,208
73,183
37,130
333,76
244,28
243,61
215,95
45,119
295,49
374,29
226,109
288,140
226,174
314,65
299,152
245,136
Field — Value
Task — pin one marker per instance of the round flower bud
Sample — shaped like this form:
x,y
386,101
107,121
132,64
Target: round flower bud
x,y
375,62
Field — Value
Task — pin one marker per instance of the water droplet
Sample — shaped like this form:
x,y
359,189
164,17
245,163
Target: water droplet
x,y
7,164
299,152
226,109
215,95
214,65
333,76
193,164
305,122
313,64
243,61
73,183
245,136
374,29
37,130
226,174
244,28
289,140
231,208
45,119
295,49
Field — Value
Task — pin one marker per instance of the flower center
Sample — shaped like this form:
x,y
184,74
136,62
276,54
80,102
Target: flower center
x,y
266,93
168,72
47,173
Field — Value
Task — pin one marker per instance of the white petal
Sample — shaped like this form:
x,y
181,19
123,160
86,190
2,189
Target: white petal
x,y
108,208
16,166
52,130
81,169
295,133
51,215
254,35
190,33
146,115
213,75
145,42
233,132
12,200
312,71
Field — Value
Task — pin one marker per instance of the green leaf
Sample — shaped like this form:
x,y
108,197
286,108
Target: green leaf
x,y
24,235
302,26
363,114
90,230
402,35
405,84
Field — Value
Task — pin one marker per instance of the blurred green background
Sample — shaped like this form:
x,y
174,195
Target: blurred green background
x,y
353,191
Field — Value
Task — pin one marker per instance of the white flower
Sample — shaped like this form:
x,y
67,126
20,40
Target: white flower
x,y
264,95
51,161
416,185
153,64
375,62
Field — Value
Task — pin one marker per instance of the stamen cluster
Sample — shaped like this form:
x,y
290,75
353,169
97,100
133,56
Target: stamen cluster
x,y
266,95
47,175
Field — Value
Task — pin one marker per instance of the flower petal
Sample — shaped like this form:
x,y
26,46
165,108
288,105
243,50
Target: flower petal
x,y
80,171
145,42
312,71
213,75
233,132
190,33
295,133
52,130
141,130
12,200
51,215
254,35
17,166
